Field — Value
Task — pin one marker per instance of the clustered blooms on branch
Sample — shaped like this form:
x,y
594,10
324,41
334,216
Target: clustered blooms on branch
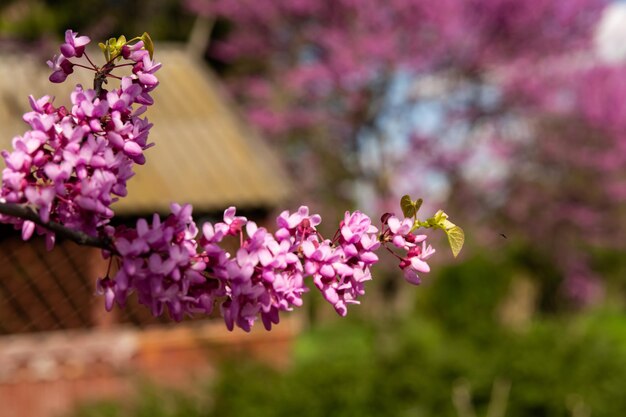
x,y
73,164
166,266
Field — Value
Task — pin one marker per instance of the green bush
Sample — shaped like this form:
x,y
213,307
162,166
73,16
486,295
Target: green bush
x,y
549,367
410,366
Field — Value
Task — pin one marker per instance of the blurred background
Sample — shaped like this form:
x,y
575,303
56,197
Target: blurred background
x,y
510,115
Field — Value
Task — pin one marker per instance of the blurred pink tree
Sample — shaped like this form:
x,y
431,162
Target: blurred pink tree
x,y
570,185
500,99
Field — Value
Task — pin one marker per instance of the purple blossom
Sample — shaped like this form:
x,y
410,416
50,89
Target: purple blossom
x,y
400,234
61,68
74,45
86,162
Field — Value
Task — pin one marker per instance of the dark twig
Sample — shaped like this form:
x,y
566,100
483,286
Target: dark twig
x,y
26,213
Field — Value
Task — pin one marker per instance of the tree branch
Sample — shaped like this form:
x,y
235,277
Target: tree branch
x,y
80,238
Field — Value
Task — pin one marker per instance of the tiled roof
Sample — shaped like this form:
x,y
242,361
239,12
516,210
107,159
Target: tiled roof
x,y
204,153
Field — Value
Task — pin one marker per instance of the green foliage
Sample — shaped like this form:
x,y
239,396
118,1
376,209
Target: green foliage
x,y
456,238
147,43
150,402
45,19
454,233
465,297
112,48
548,367
410,207
30,26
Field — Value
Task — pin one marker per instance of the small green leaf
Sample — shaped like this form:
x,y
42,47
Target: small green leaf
x,y
456,236
116,47
407,206
147,43
447,224
418,204
437,221
456,239
105,49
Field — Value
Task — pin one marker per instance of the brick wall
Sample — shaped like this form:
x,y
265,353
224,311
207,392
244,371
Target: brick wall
x,y
47,374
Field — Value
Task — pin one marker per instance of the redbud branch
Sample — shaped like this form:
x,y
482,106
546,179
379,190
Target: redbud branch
x,y
26,213
100,77
85,66
98,80
109,267
110,61
393,253
88,59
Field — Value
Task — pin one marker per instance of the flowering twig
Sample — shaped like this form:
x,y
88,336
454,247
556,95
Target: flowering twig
x,y
26,213
63,175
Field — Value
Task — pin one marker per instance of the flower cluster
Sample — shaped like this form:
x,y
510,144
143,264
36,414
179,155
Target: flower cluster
x,y
400,234
74,46
159,262
74,163
167,266
162,264
341,268
265,276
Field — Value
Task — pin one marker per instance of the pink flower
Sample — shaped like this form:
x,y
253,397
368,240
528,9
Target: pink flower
x,y
232,224
61,68
74,45
415,262
355,225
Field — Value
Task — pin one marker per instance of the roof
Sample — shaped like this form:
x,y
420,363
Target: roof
x,y
204,154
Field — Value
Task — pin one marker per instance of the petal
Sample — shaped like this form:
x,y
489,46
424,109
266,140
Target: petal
x,y
419,265
412,277
132,148
27,229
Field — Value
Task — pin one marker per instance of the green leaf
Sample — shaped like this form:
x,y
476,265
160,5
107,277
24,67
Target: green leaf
x,y
437,221
410,207
418,204
456,239
456,236
105,49
447,224
116,47
147,43
407,206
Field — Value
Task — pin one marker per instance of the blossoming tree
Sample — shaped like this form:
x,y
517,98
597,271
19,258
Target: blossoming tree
x,y
327,75
63,175
524,114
